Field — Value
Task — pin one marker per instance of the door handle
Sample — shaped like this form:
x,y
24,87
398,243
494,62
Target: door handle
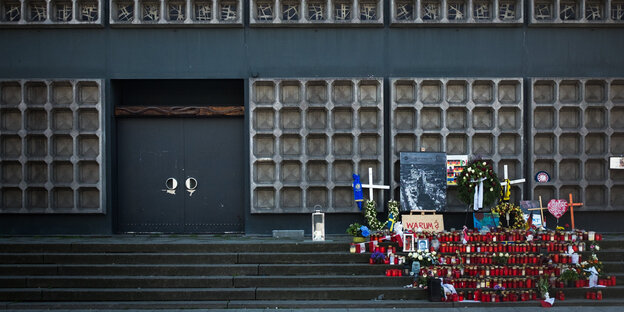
x,y
191,185
171,184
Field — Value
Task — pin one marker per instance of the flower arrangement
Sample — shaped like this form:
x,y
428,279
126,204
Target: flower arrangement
x,y
370,212
512,214
570,275
593,261
500,258
542,287
378,257
468,180
424,257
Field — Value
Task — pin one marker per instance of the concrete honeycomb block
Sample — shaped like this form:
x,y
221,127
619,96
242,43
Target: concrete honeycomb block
x,y
545,165
569,91
36,93
62,198
546,192
509,119
595,91
459,116
36,198
316,92
36,119
36,172
404,143
617,89
88,172
595,170
59,13
482,144
316,145
10,93
456,118
509,92
595,118
569,144
405,118
62,172
431,118
430,92
570,170
291,198
264,146
264,172
370,145
11,172
617,196
342,118
62,119
317,196
456,92
316,135
264,92
617,144
88,197
316,119
62,93
342,198
315,12
88,120
174,12
481,12
363,170
595,144
88,146
575,12
264,198
62,145
317,172
596,195
36,146
290,92
544,144
574,189
290,119
11,146
483,118
457,144
342,92
431,142
343,171
569,118
482,92
617,118
509,145
10,119
370,118
11,198
405,91
342,145
290,171
544,92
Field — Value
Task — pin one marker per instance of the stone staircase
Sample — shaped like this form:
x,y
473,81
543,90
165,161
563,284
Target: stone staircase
x,y
158,272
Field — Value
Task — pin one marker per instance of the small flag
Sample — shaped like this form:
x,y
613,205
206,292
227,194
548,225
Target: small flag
x,y
358,195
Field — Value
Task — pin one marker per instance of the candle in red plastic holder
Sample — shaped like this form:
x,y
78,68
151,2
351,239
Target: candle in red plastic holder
x,y
599,295
599,238
555,258
612,280
592,295
387,261
371,261
529,283
560,295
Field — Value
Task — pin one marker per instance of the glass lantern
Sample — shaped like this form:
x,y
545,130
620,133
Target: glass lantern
x,y
318,226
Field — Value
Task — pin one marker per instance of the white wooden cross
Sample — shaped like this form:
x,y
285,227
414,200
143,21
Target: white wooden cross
x,y
370,186
512,182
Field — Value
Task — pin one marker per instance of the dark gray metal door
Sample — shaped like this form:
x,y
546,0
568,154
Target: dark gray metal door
x,y
205,158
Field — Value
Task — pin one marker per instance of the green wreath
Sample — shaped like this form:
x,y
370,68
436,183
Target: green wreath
x,y
370,212
475,171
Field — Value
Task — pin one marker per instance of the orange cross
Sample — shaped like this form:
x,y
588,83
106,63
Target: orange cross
x,y
572,204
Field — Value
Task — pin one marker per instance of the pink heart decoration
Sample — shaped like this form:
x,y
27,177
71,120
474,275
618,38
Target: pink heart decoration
x,y
557,207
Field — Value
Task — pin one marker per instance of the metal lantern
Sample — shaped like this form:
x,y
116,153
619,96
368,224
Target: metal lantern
x,y
318,226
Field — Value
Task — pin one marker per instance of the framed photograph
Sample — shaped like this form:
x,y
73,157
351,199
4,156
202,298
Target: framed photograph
x,y
408,242
616,162
423,245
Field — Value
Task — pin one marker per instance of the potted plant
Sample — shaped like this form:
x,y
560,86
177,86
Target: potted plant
x,y
359,232
569,277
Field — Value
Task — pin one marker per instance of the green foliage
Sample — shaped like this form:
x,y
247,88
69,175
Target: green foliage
x,y
475,171
569,275
354,229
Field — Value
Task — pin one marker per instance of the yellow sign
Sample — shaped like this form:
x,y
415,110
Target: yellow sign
x,y
423,222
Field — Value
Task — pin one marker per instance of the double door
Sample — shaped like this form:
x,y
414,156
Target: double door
x,y
180,175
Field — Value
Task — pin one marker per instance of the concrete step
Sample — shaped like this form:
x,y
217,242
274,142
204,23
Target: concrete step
x,y
199,281
193,269
182,258
207,294
295,304
147,245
